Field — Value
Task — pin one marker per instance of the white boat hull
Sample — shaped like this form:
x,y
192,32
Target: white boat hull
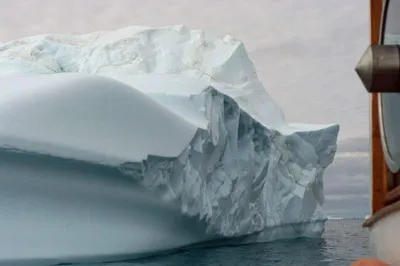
x,y
385,238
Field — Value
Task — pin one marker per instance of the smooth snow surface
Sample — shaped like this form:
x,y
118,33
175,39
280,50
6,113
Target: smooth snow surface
x,y
67,112
182,115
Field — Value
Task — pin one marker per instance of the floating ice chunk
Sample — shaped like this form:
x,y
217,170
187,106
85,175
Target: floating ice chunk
x,y
181,115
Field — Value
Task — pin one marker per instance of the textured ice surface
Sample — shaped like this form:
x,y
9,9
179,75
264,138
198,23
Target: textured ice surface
x,y
179,111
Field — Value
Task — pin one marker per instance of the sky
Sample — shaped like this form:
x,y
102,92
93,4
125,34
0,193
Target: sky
x,y
304,51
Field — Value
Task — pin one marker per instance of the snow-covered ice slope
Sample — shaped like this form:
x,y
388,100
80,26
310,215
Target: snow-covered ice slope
x,y
179,111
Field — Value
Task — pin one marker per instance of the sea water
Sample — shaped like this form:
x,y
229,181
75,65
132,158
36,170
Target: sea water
x,y
343,242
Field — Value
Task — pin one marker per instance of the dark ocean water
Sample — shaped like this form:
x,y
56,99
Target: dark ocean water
x,y
343,242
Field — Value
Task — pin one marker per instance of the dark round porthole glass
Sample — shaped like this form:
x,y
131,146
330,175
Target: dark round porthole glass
x,y
389,109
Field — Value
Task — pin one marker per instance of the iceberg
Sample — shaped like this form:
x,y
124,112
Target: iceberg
x,y
139,140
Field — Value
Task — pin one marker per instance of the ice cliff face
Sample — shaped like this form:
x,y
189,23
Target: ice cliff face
x,y
244,169
237,174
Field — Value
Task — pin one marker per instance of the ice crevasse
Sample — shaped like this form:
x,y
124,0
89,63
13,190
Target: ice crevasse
x,y
179,113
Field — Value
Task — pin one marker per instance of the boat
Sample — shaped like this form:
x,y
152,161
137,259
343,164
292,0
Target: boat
x,y
379,70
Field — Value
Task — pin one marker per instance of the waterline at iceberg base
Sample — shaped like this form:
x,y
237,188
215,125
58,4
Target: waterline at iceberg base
x,y
139,140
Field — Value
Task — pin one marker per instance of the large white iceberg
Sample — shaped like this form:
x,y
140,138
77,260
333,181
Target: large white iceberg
x,y
142,139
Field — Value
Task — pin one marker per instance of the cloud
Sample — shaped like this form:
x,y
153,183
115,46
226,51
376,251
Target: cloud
x,y
347,197
347,182
360,144
358,154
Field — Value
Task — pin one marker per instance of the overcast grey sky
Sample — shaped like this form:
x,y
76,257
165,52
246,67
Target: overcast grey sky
x,y
305,52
